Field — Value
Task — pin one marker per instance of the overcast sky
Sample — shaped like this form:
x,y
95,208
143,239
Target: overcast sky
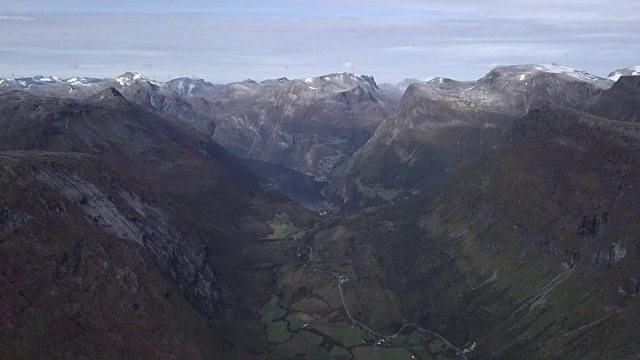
x,y
224,41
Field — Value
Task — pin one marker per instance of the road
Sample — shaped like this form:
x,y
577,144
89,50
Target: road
x,y
378,338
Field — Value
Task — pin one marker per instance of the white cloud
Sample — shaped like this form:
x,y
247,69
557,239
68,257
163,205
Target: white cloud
x,y
458,39
16,18
348,66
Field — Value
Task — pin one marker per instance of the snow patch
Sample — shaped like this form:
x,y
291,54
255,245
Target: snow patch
x,y
632,71
576,74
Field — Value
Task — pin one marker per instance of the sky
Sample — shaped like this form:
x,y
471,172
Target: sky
x,y
225,41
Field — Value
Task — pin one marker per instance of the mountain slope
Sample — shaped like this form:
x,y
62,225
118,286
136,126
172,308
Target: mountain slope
x,y
164,99
444,122
185,203
524,252
79,274
621,102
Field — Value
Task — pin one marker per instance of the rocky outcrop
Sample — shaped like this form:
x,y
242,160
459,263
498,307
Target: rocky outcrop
x,y
85,258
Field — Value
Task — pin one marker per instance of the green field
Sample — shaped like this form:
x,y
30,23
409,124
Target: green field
x,y
277,332
272,311
345,335
339,351
366,352
298,320
281,230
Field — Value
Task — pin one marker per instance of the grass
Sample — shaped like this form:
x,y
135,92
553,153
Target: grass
x,y
366,352
339,351
272,311
345,335
437,346
310,305
414,339
277,332
298,320
282,230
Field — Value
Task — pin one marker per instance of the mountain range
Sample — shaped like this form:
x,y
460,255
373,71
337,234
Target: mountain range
x,y
486,219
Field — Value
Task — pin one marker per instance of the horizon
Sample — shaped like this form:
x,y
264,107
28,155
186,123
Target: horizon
x,y
605,76
224,42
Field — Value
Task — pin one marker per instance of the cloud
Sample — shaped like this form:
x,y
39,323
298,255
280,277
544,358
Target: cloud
x,y
16,17
406,49
410,38
348,66
86,66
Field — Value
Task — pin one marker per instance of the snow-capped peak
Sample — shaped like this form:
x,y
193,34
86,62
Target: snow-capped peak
x,y
128,78
577,74
630,71
524,73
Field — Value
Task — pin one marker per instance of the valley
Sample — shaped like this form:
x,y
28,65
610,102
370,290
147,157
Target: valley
x,y
321,218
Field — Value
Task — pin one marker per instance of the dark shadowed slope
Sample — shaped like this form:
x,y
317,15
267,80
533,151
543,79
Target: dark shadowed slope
x,y
621,102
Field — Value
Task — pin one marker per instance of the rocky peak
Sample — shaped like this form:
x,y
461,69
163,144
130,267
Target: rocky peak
x,y
188,87
128,78
630,71
527,72
282,80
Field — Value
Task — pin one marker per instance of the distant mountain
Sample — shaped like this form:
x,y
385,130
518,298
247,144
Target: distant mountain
x,y
444,122
630,71
395,91
310,124
188,87
75,88
163,98
278,81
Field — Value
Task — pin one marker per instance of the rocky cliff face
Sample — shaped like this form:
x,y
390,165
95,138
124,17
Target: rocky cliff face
x,y
444,122
88,260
